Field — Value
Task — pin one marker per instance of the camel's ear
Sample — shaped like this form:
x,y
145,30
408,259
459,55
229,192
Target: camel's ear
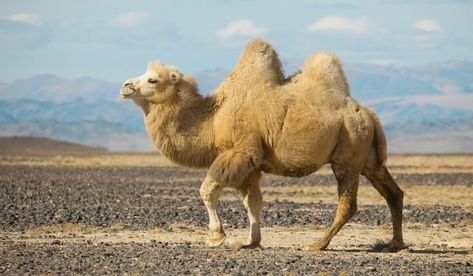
x,y
175,76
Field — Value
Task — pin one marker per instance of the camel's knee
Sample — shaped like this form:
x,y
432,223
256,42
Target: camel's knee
x,y
396,198
347,209
209,190
396,192
253,202
251,191
352,210
400,195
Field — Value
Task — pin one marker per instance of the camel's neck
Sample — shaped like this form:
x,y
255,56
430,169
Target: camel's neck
x,y
183,133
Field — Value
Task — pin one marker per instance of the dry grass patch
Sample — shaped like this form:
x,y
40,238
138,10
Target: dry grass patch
x,y
396,163
64,229
92,160
117,226
71,229
182,228
426,195
431,163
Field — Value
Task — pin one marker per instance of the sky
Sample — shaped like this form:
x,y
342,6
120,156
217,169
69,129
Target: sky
x,y
114,39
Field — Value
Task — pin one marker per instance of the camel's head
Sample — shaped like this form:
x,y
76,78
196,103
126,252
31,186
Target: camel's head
x,y
157,85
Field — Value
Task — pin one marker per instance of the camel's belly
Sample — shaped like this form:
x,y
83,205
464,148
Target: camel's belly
x,y
298,157
293,171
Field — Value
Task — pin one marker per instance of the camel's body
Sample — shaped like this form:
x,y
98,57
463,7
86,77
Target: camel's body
x,y
258,121
293,136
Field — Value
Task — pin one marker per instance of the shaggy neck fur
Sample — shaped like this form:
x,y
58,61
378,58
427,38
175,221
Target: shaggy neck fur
x,y
181,128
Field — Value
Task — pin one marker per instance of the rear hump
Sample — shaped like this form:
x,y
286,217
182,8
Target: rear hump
x,y
328,68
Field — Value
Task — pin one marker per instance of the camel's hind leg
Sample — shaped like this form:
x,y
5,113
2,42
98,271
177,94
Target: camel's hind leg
x,y
210,192
253,201
347,191
384,183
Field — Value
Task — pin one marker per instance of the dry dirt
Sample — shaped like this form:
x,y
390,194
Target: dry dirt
x,y
136,213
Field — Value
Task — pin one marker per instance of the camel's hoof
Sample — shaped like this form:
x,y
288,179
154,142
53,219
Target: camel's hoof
x,y
315,247
247,245
216,239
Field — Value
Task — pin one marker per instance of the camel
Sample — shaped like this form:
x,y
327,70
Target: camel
x,y
259,121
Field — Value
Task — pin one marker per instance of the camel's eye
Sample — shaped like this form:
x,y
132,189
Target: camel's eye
x,y
152,81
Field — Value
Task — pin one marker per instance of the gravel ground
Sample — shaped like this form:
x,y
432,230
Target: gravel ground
x,y
148,198
184,259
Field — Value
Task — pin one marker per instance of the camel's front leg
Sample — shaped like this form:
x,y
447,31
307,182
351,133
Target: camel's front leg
x,y
210,192
253,201
229,169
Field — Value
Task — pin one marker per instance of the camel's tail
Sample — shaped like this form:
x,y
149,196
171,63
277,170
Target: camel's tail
x,y
328,68
379,142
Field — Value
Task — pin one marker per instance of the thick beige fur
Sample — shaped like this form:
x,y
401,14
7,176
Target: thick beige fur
x,y
258,120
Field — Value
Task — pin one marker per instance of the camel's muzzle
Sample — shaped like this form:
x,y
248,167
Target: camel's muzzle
x,y
127,90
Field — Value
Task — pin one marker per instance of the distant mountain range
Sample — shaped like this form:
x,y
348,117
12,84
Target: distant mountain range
x,y
35,146
426,108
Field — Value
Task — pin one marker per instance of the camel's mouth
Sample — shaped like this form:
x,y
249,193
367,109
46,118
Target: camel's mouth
x,y
127,92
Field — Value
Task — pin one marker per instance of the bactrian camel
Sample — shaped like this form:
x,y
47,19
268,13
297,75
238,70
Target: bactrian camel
x,y
259,121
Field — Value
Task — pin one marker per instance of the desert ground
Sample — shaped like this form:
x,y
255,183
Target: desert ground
x,y
132,213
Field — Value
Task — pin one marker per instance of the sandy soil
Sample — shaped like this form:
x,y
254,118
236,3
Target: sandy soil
x,y
397,163
131,213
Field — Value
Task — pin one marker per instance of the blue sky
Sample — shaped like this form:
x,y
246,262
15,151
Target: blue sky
x,y
114,39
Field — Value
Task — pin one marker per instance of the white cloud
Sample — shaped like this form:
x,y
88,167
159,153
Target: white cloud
x,y
25,18
428,25
341,24
241,28
132,19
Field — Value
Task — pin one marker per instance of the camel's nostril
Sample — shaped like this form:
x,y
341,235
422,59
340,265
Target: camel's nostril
x,y
127,84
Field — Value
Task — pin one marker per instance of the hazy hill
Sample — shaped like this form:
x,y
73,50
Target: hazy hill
x,y
426,108
42,146
85,111
123,113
